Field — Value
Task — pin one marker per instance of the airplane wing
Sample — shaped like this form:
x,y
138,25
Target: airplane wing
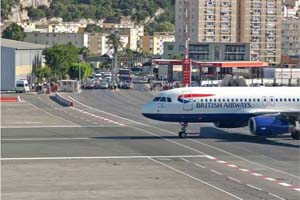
x,y
286,113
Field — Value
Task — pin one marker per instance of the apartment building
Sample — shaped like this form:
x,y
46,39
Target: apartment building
x,y
155,44
50,39
290,36
257,22
261,26
210,20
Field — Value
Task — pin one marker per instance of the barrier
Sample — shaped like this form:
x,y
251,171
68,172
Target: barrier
x,y
8,99
63,101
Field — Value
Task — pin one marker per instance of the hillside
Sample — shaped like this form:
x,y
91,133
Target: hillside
x,y
74,10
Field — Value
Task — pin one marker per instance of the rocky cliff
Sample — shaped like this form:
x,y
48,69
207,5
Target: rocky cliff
x,y
19,12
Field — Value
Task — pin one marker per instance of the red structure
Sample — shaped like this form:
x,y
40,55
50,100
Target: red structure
x,y
186,62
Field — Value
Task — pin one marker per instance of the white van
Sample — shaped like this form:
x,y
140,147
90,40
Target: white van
x,y
22,86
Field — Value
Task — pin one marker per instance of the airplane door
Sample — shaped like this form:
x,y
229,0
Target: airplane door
x,y
188,101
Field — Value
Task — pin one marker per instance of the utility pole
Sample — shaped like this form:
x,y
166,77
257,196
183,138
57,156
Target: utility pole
x,y
186,63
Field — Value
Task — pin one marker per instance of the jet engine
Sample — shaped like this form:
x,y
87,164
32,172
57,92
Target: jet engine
x,y
267,125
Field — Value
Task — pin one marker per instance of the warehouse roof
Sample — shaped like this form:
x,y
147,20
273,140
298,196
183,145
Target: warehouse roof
x,y
20,45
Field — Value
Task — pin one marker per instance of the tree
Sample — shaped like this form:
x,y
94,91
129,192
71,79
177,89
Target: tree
x,y
60,57
85,70
93,28
36,14
44,72
166,27
14,32
115,41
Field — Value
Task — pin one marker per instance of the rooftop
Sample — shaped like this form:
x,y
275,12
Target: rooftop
x,y
20,45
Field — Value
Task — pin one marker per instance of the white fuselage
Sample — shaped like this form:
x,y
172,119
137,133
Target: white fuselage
x,y
220,104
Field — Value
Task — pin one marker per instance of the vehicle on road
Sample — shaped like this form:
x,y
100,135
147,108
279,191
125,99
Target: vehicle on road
x,y
22,86
125,85
268,111
104,84
89,84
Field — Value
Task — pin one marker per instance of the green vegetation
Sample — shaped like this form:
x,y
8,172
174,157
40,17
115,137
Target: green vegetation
x,y
85,70
63,60
37,13
14,32
6,6
93,28
138,10
60,58
43,72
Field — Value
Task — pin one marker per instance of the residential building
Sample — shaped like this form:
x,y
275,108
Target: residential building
x,y
290,8
18,60
210,20
248,21
210,51
49,39
261,26
290,36
97,44
155,44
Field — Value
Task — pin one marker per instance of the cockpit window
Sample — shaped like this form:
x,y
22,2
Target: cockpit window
x,y
169,99
163,99
156,99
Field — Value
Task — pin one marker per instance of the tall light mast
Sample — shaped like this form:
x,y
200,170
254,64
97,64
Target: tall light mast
x,y
186,63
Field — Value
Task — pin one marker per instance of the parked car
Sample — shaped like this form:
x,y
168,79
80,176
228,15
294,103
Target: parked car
x,y
104,85
89,84
125,85
22,86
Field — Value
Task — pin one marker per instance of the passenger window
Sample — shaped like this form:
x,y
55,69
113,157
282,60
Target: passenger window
x,y
169,99
156,99
163,99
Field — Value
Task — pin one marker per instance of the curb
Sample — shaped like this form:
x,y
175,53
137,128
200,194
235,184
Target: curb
x,y
63,101
8,99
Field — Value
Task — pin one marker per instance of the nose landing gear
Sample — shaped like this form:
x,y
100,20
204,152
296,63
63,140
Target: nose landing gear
x,y
182,133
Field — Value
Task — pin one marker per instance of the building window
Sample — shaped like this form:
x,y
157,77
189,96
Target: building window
x,y
170,47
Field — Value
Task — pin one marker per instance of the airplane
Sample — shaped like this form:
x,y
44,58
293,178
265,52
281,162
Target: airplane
x,y
266,110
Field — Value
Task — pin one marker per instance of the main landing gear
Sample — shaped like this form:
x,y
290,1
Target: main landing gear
x,y
296,132
182,133
296,135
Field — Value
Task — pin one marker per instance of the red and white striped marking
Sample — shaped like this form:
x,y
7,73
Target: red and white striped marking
x,y
253,173
98,117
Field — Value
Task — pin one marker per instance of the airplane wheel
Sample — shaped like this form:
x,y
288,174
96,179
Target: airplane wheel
x,y
296,135
182,134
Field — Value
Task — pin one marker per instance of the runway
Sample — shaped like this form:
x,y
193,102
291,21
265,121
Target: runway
x,y
103,148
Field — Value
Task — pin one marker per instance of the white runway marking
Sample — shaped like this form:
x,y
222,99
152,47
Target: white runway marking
x,y
285,184
256,188
196,179
236,180
103,157
278,197
53,115
185,160
216,172
201,166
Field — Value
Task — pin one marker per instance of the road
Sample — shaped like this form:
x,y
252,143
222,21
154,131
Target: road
x,y
103,148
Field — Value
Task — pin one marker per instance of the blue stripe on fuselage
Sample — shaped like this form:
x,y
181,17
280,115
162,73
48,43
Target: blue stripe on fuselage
x,y
198,118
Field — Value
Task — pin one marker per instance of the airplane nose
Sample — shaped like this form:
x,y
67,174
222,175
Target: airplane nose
x,y
145,109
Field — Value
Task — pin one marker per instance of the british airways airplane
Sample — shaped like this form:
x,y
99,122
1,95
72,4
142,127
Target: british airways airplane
x,y
266,110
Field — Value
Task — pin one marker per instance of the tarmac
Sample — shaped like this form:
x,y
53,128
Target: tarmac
x,y
103,148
